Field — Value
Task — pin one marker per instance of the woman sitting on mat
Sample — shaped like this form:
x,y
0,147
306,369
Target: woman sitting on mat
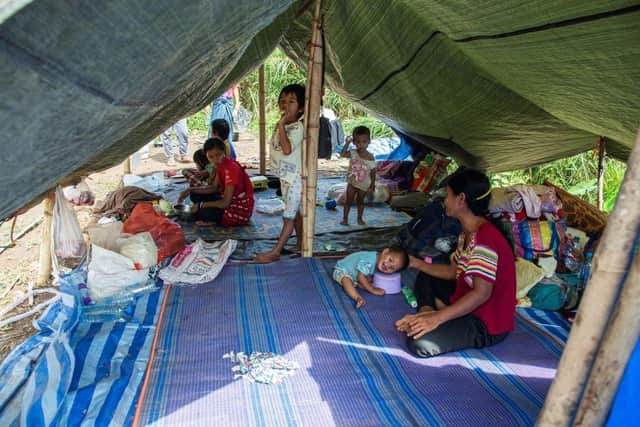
x,y
233,205
469,303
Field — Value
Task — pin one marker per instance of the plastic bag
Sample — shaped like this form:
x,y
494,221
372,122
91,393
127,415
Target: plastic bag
x,y
69,247
242,119
200,262
338,193
139,248
111,273
105,235
167,235
79,194
273,206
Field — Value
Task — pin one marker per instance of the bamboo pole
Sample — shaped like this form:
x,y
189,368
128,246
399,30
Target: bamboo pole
x,y
311,130
44,268
262,114
618,344
609,269
127,165
601,148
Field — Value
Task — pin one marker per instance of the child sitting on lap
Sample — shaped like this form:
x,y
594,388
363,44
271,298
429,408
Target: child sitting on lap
x,y
357,269
362,172
198,177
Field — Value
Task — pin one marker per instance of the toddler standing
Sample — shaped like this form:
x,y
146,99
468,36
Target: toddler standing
x,y
362,172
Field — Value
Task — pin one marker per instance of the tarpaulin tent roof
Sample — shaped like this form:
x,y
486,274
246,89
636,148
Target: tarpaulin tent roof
x,y
497,85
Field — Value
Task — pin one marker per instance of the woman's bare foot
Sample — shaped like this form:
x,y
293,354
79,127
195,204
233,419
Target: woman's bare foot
x,y
344,222
266,258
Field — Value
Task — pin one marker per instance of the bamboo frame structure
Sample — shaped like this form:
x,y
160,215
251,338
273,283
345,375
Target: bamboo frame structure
x,y
618,344
262,114
313,96
601,155
609,268
44,266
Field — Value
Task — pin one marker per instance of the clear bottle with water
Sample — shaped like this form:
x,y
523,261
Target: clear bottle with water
x,y
572,256
585,272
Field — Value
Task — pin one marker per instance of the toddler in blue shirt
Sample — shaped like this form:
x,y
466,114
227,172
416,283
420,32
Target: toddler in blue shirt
x,y
357,269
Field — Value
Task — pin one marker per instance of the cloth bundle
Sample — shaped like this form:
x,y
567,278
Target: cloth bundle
x,y
520,202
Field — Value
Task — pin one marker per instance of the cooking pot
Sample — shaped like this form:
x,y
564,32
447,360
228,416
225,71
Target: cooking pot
x,y
185,212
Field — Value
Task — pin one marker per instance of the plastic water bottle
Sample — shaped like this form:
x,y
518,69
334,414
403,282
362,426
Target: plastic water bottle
x,y
572,258
409,297
586,268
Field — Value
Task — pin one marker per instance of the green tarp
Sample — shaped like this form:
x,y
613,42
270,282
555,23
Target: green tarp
x,y
497,85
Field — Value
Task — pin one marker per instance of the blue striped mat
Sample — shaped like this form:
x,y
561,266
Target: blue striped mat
x,y
75,373
354,369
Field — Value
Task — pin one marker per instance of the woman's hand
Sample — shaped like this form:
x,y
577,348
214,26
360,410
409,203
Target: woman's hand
x,y
402,325
414,262
423,323
184,195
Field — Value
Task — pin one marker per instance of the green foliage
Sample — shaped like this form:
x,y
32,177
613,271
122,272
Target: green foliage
x,y
198,121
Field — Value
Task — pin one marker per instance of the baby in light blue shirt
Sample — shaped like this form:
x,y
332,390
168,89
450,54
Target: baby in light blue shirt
x,y
357,269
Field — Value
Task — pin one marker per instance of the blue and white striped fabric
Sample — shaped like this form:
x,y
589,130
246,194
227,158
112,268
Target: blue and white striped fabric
x,y
77,373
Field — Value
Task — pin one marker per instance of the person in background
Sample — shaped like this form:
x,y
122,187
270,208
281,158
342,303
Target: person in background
x,y
224,107
180,128
469,303
233,205
220,129
362,172
286,161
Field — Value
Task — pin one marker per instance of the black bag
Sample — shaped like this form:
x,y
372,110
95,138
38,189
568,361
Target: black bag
x,y
324,139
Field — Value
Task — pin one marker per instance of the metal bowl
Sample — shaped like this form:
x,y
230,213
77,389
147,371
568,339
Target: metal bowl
x,y
185,212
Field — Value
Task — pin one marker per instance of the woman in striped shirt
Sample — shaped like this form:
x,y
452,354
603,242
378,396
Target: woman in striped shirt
x,y
469,303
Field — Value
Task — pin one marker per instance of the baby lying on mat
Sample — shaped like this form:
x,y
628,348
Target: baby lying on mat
x,y
357,269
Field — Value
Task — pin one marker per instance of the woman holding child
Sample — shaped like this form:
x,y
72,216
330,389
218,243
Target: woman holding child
x,y
469,303
228,199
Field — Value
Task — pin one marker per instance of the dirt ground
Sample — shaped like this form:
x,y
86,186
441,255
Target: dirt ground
x,y
19,264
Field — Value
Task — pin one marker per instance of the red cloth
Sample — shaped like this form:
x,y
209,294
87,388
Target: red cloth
x,y
240,210
488,256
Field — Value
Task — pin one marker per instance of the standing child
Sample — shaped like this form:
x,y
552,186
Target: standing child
x,y
286,161
362,172
357,269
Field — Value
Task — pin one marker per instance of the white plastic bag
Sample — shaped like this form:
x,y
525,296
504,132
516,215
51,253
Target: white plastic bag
x,y
111,273
338,192
105,235
139,248
79,194
273,206
199,262
69,247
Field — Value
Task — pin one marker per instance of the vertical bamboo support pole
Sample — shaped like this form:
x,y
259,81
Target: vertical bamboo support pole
x,y
127,165
609,269
311,133
618,344
601,148
261,112
44,266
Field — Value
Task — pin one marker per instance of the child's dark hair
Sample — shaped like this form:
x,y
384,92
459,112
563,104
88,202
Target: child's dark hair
x,y
298,91
213,144
404,255
361,130
200,158
221,128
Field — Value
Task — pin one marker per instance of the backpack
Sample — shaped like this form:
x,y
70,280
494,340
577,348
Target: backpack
x,y
324,139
